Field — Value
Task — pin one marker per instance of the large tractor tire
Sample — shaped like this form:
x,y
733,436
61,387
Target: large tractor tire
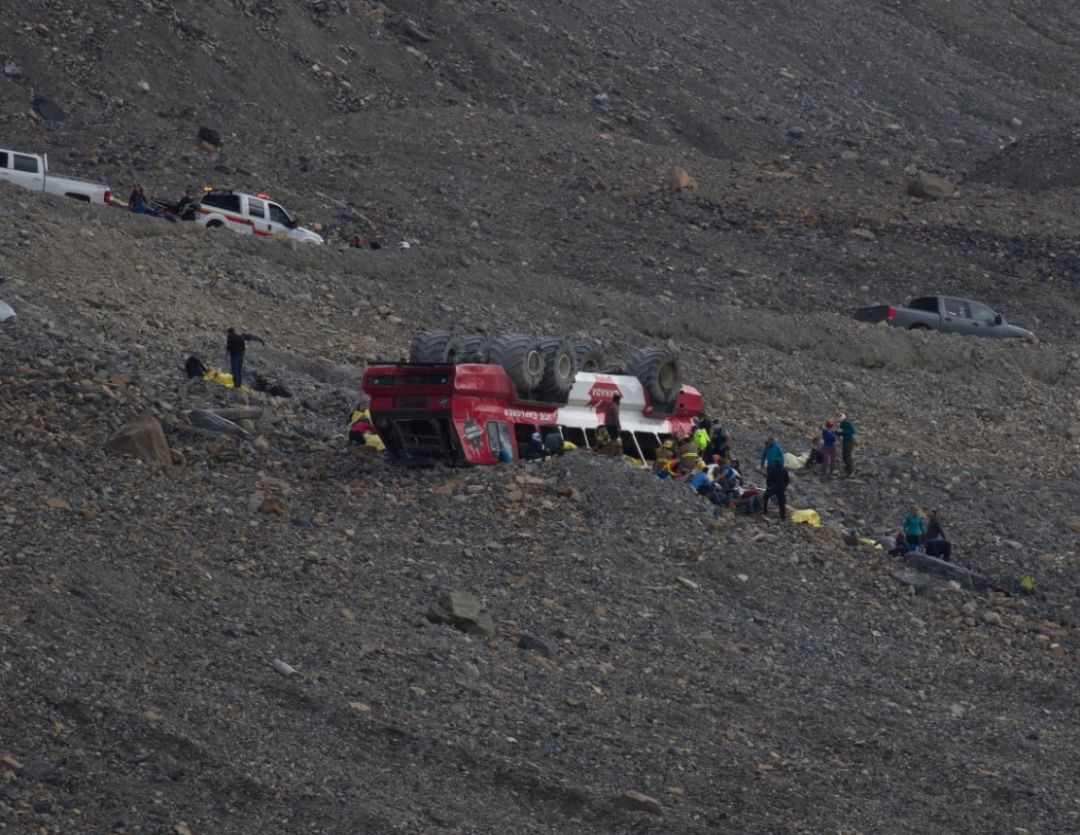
x,y
590,356
521,358
436,348
476,348
660,374
560,368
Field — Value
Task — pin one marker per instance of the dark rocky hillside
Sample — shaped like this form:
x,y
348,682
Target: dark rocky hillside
x,y
740,675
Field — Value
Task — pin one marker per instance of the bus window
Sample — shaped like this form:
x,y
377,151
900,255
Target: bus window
x,y
523,433
630,446
499,438
647,443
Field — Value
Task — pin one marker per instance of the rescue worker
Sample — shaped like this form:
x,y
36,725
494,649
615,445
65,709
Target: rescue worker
x,y
553,441
602,438
689,455
702,437
663,455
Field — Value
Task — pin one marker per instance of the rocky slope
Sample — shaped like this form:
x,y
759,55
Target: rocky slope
x,y
742,675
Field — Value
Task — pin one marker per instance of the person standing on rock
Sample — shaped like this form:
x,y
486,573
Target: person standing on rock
x,y
611,417
771,454
937,544
847,443
234,349
776,484
914,527
828,448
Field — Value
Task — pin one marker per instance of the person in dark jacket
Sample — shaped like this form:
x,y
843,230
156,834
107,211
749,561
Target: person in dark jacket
x,y
937,544
611,417
776,484
234,348
268,386
534,450
186,207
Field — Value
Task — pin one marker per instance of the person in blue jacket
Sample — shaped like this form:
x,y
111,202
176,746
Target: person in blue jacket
x,y
771,454
847,443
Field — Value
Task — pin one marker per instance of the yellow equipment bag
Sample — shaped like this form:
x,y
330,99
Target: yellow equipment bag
x,y
222,378
810,517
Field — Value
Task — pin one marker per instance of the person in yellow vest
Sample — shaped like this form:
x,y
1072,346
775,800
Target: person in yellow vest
x,y
701,438
664,454
689,455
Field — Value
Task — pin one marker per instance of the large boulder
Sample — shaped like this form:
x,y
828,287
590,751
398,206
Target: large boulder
x,y
143,438
464,611
967,578
931,187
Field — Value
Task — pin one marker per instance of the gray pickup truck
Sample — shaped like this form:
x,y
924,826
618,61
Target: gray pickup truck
x,y
945,314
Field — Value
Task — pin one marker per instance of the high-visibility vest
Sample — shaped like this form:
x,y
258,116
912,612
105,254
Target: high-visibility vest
x,y
701,439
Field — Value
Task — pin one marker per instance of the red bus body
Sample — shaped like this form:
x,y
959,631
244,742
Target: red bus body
x,y
469,414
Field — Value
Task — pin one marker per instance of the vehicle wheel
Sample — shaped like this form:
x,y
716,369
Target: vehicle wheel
x,y
589,355
214,224
660,373
520,356
436,348
612,368
919,326
476,348
560,368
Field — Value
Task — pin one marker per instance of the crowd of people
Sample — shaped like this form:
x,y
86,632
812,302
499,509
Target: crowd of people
x,y
705,461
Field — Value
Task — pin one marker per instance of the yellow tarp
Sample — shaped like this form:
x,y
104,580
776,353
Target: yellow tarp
x,y
215,376
810,517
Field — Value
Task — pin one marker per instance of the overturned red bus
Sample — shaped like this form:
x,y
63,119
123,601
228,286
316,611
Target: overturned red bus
x,y
471,413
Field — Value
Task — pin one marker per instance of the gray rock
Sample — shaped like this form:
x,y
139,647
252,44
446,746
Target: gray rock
x,y
931,187
462,611
638,802
40,771
922,586
143,439
531,643
967,578
210,136
48,110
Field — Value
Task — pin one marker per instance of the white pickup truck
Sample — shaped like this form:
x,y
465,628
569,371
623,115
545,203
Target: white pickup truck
x,y
251,214
32,171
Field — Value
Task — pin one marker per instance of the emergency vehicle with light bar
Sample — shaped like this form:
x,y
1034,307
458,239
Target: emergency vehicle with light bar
x,y
251,214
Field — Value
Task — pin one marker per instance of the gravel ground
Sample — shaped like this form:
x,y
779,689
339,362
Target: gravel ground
x,y
738,673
